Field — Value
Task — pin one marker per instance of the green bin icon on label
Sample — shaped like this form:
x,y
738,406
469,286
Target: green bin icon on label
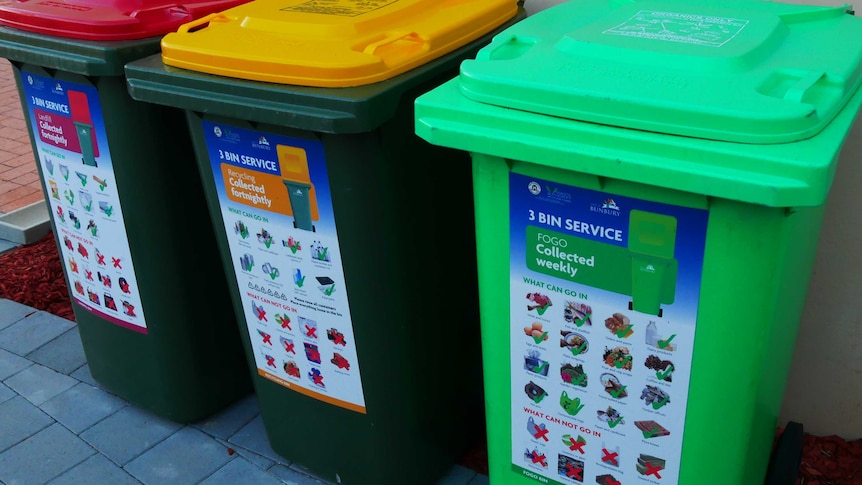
x,y
300,190
85,138
652,239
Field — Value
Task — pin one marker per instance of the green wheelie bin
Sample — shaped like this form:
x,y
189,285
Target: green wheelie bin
x,y
135,239
351,256
649,182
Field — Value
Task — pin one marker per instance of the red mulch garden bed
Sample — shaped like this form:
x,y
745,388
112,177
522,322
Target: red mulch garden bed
x,y
830,460
33,275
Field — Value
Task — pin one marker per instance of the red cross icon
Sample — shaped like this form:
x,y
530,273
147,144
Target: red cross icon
x,y
540,433
540,459
266,338
100,257
293,371
340,361
612,481
574,473
310,331
260,313
288,347
270,361
652,470
318,379
339,339
89,274
610,457
577,445
284,321
129,308
74,266
314,355
117,263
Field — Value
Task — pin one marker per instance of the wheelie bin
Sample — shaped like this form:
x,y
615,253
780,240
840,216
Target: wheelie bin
x,y
132,228
649,183
351,256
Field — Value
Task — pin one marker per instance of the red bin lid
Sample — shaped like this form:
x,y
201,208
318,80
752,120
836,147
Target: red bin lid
x,y
106,20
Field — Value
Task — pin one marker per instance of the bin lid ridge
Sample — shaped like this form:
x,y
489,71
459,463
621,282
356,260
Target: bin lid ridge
x,y
106,20
741,71
334,43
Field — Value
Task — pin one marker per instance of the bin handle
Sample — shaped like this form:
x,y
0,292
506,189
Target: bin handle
x,y
213,17
413,37
153,11
803,85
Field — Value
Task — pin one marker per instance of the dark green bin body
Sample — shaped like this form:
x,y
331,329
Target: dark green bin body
x,y
392,201
189,364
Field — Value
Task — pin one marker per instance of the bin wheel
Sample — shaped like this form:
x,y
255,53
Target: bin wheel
x,y
660,311
313,227
787,456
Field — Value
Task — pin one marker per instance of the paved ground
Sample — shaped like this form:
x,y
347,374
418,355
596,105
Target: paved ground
x,y
19,180
57,426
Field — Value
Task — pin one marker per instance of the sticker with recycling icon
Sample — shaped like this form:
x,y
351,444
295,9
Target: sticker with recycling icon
x,y
278,221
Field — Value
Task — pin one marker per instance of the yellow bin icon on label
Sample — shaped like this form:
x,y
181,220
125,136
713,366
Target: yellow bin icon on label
x,y
300,190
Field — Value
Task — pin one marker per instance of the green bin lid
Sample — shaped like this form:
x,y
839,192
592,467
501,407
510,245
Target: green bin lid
x,y
740,71
652,234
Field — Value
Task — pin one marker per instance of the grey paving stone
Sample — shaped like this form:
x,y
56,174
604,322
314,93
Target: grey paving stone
x,y
20,419
11,364
186,457
261,462
127,433
83,375
12,311
293,477
232,419
82,406
305,471
238,471
6,393
63,354
32,332
38,383
44,456
96,470
458,475
480,480
253,437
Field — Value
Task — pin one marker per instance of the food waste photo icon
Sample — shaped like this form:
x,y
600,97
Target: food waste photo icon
x,y
538,303
578,313
576,343
537,332
535,392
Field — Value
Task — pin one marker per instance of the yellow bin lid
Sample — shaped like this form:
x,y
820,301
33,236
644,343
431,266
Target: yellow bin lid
x,y
330,43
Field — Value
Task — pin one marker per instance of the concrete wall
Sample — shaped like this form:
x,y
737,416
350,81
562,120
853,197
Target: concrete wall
x,y
825,388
